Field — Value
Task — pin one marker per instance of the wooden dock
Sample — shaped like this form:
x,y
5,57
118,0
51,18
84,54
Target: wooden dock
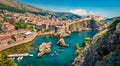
x,y
19,55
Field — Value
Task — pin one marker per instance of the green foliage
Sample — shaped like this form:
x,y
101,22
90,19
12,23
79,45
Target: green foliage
x,y
92,21
87,41
20,48
113,24
77,46
5,61
24,25
43,31
47,30
5,19
62,15
30,27
37,30
93,24
0,26
78,49
102,20
20,25
11,9
12,36
9,42
112,27
8,19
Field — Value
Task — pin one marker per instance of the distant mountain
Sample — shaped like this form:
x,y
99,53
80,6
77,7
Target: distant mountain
x,y
15,6
110,19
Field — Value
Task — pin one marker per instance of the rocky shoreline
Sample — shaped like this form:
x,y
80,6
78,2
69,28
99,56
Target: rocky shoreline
x,y
103,50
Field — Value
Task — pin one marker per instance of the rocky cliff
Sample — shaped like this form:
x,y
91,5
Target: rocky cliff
x,y
104,49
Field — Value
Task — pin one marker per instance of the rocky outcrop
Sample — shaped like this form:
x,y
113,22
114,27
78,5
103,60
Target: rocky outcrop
x,y
104,49
60,34
61,42
44,48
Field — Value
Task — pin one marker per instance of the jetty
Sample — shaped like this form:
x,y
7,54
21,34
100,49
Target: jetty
x,y
20,55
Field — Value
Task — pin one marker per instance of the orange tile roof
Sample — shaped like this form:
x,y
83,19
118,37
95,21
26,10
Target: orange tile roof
x,y
5,37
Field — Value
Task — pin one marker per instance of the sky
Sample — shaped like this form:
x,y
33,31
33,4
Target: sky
x,y
105,8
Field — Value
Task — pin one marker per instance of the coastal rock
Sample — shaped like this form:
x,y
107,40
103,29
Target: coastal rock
x,y
103,50
44,48
59,35
118,28
61,42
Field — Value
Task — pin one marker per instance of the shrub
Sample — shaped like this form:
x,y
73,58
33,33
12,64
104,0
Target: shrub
x,y
87,41
5,61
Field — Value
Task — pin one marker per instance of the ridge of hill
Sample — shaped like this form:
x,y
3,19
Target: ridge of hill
x,y
16,6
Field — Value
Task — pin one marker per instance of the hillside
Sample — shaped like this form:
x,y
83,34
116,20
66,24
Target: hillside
x,y
104,49
110,19
22,7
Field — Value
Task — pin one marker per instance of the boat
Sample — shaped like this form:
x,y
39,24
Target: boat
x,y
21,58
52,54
31,55
13,58
18,59
56,54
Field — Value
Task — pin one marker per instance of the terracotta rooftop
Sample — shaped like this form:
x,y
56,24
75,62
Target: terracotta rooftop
x,y
4,37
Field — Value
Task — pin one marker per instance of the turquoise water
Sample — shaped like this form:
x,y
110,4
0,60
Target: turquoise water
x,y
64,58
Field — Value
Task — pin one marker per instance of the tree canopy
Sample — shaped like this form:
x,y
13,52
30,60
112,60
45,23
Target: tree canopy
x,y
87,41
5,61
20,25
23,25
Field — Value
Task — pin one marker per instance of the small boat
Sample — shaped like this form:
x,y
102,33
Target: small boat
x,y
18,59
56,54
13,58
21,58
31,55
52,54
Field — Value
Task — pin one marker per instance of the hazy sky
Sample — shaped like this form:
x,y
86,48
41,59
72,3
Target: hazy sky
x,y
106,8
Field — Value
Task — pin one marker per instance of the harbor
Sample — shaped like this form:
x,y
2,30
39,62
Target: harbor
x,y
57,53
19,57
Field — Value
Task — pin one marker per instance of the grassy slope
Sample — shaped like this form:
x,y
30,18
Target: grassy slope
x,y
22,7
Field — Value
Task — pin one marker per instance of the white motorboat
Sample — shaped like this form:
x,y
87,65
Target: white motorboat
x,y
31,55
